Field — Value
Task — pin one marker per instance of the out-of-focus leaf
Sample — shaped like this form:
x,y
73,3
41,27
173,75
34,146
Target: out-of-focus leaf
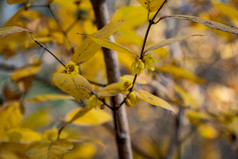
x,y
187,98
151,5
207,131
37,119
24,135
54,150
226,10
26,71
88,47
154,100
196,117
113,46
58,148
82,150
139,80
167,42
69,81
179,72
38,151
11,30
48,97
132,16
92,117
10,115
205,22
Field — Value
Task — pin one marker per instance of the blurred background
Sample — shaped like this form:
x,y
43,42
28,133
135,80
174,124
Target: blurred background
x,y
197,76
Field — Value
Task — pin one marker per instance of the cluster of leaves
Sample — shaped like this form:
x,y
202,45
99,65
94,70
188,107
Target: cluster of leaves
x,y
82,50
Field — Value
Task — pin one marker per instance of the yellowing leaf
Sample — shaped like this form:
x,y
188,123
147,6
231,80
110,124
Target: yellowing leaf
x,y
88,47
24,135
37,119
92,117
48,97
187,98
27,71
107,30
167,42
207,131
11,30
132,16
83,150
179,72
205,22
195,116
154,100
10,116
58,148
151,5
38,151
226,10
139,80
69,81
113,46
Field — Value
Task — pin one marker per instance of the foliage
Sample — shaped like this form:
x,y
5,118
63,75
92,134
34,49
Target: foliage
x,y
46,121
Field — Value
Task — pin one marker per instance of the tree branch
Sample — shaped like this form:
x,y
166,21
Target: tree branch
x,y
113,74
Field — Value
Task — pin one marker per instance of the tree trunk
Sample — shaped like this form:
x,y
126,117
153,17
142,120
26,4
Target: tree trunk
x,y
113,74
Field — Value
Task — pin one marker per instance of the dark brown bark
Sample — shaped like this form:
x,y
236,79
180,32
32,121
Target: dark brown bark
x,y
113,74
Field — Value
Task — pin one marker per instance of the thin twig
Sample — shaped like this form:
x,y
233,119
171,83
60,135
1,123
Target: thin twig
x,y
151,22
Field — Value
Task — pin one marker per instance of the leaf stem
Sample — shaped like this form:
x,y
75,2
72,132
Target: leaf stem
x,y
151,22
43,46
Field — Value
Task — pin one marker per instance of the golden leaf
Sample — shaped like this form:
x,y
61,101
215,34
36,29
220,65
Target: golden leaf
x,y
151,5
11,30
69,81
154,100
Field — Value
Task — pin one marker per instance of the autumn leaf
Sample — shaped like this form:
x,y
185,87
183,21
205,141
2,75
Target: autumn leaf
x,y
151,5
10,115
179,72
205,22
11,30
69,81
58,148
88,47
154,100
48,97
16,1
92,117
167,42
113,46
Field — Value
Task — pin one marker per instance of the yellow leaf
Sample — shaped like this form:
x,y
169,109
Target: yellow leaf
x,y
54,150
187,98
226,9
167,42
24,135
179,72
88,47
37,119
207,131
83,150
69,81
26,71
154,100
113,46
151,5
195,116
11,30
58,148
92,117
205,22
132,16
10,116
48,97
38,151
139,80
107,30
